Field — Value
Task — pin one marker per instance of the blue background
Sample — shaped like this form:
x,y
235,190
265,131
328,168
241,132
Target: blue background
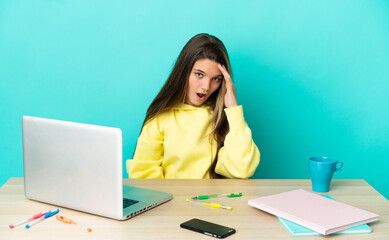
x,y
312,76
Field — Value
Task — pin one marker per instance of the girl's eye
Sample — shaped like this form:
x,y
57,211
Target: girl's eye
x,y
217,79
199,74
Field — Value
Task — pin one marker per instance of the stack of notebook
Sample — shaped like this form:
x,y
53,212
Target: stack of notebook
x,y
298,230
306,214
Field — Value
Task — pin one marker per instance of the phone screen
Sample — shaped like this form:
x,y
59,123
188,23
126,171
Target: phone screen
x,y
208,228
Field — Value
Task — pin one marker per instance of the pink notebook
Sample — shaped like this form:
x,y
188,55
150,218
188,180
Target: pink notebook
x,y
312,211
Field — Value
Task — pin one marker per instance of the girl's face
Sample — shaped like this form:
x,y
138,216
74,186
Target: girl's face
x,y
204,79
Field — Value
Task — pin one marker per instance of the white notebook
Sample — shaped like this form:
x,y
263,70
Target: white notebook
x,y
312,211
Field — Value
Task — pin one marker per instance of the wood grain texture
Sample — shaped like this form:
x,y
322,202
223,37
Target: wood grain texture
x,y
163,222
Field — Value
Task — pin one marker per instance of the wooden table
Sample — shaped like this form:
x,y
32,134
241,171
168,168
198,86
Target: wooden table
x,y
163,221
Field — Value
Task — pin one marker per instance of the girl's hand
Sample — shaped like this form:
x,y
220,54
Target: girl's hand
x,y
230,98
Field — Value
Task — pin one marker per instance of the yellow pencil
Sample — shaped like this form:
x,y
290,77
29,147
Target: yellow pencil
x,y
215,205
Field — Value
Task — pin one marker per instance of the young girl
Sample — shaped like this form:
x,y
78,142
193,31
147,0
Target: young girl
x,y
194,128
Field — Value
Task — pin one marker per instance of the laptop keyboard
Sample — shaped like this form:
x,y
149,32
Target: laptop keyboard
x,y
128,202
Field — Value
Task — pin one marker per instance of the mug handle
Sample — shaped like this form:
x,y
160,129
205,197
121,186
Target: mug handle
x,y
341,166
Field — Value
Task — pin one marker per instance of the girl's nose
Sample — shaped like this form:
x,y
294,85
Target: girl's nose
x,y
206,85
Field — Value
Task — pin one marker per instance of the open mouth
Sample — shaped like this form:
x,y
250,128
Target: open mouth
x,y
201,96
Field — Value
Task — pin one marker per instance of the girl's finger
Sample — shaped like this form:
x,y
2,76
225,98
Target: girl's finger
x,y
224,72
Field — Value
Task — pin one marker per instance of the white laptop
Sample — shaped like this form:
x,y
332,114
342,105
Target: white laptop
x,y
80,166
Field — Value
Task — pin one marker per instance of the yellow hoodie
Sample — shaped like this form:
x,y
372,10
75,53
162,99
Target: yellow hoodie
x,y
178,144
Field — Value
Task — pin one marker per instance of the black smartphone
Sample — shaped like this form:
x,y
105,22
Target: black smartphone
x,y
208,228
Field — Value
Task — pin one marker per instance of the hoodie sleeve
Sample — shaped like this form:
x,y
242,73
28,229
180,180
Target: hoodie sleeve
x,y
148,154
239,157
